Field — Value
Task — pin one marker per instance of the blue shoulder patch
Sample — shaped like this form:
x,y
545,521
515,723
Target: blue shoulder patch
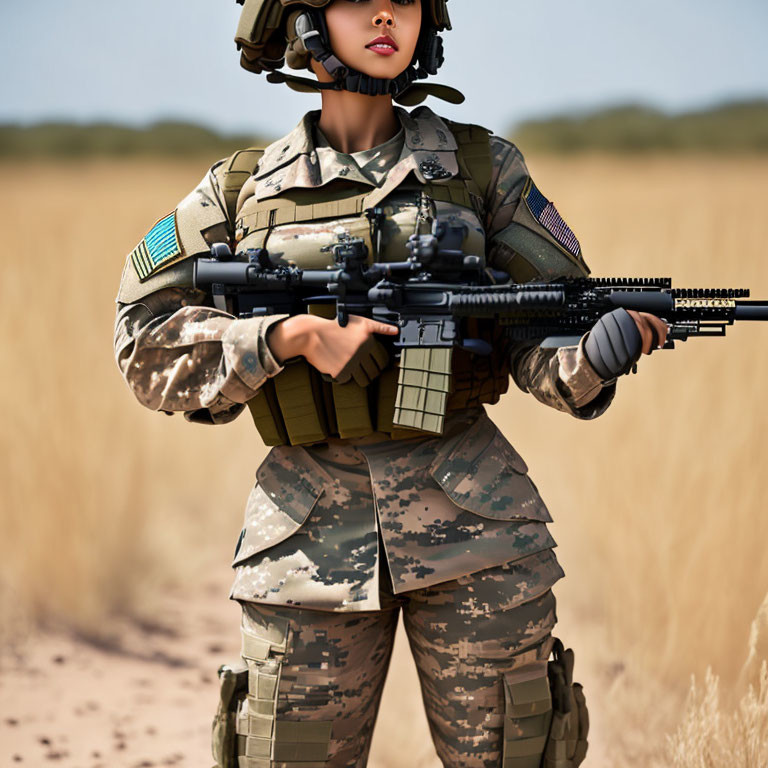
x,y
160,246
546,214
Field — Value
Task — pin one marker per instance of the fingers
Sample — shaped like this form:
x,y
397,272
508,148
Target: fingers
x,y
343,376
360,376
660,327
653,330
375,326
372,359
380,355
645,331
366,364
389,330
369,368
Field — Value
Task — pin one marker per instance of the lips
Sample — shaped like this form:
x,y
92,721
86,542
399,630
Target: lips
x,y
384,44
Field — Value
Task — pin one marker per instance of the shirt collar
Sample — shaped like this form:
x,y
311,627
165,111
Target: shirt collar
x,y
429,150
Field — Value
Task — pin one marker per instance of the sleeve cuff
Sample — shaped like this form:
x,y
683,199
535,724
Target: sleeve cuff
x,y
246,351
577,375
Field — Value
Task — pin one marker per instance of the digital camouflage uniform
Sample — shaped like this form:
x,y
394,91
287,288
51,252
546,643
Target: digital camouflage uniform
x,y
340,533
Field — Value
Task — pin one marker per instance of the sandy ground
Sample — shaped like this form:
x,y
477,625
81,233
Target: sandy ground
x,y
144,699
144,696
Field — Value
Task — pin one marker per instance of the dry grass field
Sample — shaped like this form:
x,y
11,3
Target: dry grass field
x,y
660,505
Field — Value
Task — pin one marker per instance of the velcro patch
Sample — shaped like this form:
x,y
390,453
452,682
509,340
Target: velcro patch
x,y
546,214
158,248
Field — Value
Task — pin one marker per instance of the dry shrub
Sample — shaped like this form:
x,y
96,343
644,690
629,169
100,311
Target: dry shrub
x,y
709,737
660,503
103,503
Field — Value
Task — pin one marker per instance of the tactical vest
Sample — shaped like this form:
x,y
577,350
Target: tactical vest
x,y
298,406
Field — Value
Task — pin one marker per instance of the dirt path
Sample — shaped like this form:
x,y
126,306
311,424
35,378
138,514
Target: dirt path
x,y
147,700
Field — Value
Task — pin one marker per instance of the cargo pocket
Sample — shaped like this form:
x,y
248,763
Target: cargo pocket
x,y
567,744
233,680
482,473
288,484
264,739
527,717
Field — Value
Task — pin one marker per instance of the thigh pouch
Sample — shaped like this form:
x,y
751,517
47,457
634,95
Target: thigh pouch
x,y
264,739
545,718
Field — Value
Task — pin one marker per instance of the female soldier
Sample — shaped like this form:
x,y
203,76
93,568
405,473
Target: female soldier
x,y
359,510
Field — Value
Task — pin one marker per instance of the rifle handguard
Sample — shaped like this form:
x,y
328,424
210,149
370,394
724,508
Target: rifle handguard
x,y
614,344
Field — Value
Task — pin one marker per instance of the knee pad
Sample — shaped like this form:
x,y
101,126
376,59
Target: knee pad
x,y
545,718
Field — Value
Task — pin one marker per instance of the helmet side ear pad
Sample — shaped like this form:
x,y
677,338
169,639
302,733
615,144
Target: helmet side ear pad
x,y
296,54
430,54
308,26
307,33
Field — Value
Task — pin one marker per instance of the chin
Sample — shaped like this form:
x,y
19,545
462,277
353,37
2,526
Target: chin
x,y
383,69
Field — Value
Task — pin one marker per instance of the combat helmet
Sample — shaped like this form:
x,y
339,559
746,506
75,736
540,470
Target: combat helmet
x,y
272,33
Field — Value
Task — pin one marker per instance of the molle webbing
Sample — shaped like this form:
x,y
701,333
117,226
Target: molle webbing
x,y
264,737
475,162
341,199
343,410
299,391
297,406
347,200
234,173
527,720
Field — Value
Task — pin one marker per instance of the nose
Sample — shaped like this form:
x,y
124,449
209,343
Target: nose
x,y
385,16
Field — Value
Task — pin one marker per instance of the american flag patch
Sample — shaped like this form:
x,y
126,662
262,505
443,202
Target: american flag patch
x,y
157,248
546,214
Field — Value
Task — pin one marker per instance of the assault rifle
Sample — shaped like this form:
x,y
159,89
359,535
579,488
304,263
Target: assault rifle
x,y
430,294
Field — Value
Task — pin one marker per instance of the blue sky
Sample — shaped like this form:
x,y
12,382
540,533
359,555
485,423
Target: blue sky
x,y
148,59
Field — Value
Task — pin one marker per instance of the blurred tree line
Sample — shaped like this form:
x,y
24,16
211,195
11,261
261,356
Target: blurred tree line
x,y
737,127
71,140
731,128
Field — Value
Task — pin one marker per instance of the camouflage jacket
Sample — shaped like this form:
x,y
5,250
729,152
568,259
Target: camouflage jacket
x,y
180,354
162,320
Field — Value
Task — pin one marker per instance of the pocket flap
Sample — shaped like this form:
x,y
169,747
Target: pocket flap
x,y
484,474
288,485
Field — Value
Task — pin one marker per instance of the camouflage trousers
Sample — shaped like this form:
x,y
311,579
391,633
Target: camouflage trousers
x,y
315,678
314,666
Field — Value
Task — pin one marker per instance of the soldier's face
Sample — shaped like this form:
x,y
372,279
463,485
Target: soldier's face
x,y
377,37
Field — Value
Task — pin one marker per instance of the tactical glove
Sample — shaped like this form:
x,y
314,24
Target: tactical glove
x,y
614,344
365,365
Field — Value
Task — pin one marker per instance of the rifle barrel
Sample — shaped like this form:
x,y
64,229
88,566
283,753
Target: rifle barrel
x,y
751,310
655,302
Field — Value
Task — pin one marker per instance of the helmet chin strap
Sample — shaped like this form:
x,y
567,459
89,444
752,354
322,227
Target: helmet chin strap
x,y
411,96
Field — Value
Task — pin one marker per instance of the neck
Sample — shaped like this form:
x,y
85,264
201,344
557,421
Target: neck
x,y
353,122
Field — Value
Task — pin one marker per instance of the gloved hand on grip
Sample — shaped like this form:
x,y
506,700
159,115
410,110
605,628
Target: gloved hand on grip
x,y
365,365
339,353
617,340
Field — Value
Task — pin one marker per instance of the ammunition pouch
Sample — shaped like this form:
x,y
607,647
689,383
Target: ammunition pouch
x,y
265,739
527,717
545,715
296,406
233,680
567,743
